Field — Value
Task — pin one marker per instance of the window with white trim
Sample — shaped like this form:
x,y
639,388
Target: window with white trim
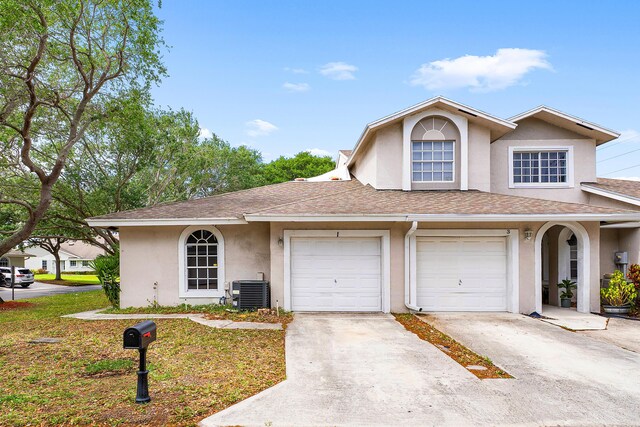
x,y
44,264
85,263
4,262
201,251
72,263
535,167
432,161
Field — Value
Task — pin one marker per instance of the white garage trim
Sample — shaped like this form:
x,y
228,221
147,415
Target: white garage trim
x,y
385,246
513,264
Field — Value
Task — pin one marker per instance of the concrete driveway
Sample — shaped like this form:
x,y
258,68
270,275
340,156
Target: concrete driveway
x,y
38,289
367,370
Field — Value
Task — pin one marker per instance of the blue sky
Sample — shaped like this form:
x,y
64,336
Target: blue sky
x,y
286,76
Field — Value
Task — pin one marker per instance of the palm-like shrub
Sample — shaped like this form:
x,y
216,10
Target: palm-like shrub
x,y
107,268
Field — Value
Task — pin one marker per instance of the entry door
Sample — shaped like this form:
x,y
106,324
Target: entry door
x,y
336,274
461,273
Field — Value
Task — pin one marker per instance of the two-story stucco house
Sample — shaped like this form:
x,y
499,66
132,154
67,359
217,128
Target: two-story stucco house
x,y
439,207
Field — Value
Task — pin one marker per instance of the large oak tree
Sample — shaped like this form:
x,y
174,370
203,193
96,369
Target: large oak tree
x,y
64,65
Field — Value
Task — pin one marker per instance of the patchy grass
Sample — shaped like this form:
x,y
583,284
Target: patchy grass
x,y
88,379
68,279
211,311
451,347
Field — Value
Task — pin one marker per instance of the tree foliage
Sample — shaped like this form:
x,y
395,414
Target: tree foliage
x,y
64,66
302,165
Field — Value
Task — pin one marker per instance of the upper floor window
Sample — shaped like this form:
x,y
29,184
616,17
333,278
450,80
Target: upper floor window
x,y
432,161
548,167
433,151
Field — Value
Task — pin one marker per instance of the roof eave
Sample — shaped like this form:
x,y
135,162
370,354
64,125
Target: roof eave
x,y
610,194
116,223
444,217
606,134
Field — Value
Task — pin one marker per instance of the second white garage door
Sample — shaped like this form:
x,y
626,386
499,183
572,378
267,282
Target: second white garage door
x,y
336,274
461,273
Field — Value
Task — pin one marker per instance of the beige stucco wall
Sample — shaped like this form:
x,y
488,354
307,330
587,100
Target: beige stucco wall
x,y
479,158
388,146
536,133
609,244
365,168
150,254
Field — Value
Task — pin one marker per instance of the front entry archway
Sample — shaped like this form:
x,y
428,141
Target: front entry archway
x,y
583,253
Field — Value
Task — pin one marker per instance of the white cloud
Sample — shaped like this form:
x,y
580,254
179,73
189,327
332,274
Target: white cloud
x,y
296,87
259,127
481,73
205,133
296,70
339,71
318,152
629,135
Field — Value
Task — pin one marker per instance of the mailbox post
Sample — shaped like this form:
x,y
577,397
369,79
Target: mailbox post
x,y
139,337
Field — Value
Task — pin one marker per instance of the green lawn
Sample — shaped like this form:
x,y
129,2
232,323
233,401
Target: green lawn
x,y
69,279
88,378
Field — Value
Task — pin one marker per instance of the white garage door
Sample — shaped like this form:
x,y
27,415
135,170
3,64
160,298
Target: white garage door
x,y
335,274
461,273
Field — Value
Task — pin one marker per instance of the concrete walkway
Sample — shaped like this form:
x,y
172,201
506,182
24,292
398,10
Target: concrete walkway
x,y
367,370
570,318
195,317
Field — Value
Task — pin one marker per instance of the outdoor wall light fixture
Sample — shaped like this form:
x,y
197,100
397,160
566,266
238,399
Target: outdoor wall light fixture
x,y
528,234
280,242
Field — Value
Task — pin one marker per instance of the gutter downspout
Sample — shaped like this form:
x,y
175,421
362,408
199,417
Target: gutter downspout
x,y
407,266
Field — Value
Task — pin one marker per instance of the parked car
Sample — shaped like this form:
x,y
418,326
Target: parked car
x,y
24,276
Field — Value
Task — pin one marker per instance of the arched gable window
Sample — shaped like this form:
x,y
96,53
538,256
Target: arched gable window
x,y
201,262
434,143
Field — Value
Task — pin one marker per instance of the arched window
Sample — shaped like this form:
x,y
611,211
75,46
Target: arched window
x,y
201,262
433,150
4,262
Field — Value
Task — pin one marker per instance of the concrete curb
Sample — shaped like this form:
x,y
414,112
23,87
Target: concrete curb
x,y
198,318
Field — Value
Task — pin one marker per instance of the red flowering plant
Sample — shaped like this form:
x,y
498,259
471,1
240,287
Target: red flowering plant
x,y
633,274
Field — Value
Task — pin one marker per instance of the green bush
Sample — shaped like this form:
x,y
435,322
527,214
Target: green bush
x,y
107,268
619,292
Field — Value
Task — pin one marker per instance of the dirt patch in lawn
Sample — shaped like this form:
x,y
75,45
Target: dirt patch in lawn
x,y
212,311
14,305
66,283
264,316
451,347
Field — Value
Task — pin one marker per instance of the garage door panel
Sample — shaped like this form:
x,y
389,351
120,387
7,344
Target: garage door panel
x,y
461,273
335,274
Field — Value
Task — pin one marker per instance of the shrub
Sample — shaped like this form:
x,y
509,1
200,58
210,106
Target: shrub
x,y
619,292
42,271
568,285
107,269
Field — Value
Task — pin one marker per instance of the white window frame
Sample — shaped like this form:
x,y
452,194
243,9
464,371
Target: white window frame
x,y
541,149
182,269
4,262
453,162
44,264
73,263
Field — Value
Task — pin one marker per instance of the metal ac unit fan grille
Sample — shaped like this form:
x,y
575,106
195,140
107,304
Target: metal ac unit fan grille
x,y
252,294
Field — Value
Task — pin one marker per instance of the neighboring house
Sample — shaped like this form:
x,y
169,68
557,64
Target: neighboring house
x,y
439,207
14,258
75,256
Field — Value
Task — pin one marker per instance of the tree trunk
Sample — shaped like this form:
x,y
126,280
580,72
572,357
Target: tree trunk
x,y
56,255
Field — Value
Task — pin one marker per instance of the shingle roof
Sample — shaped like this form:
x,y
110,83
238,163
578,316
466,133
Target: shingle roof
x,y
354,198
618,186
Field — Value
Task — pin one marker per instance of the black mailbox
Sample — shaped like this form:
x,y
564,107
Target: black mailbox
x,y
139,336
